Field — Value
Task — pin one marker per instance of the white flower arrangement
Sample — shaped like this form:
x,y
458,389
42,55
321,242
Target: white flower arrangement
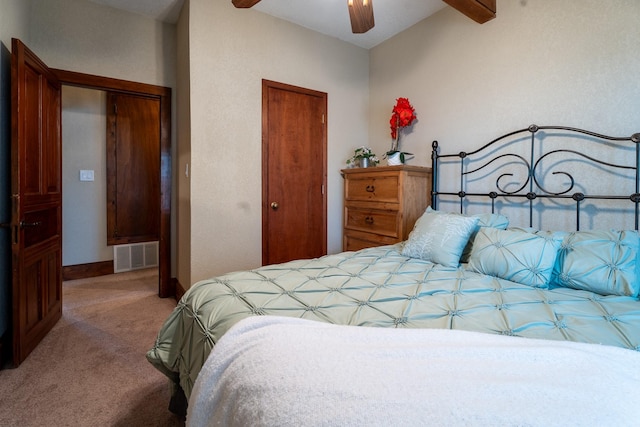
x,y
363,153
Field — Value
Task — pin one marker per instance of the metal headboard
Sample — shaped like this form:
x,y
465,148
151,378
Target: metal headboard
x,y
489,161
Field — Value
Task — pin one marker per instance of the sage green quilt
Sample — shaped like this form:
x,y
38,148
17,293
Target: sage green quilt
x,y
378,287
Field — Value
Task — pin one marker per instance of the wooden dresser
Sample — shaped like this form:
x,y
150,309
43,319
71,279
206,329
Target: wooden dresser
x,y
381,204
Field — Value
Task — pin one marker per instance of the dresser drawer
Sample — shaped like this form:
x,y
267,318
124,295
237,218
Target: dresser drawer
x,y
354,241
370,220
375,189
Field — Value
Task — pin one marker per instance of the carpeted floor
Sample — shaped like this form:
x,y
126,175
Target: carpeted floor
x,y
90,370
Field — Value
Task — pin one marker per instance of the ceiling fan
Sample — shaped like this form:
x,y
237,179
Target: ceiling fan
x,y
360,13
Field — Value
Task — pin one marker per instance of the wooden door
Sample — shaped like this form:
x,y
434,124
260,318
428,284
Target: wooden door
x,y
294,202
133,168
36,218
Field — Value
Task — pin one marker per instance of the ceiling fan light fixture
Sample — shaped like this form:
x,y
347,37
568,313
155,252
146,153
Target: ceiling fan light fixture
x,y
361,15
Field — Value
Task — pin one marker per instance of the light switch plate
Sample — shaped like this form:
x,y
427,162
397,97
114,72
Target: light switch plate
x,y
86,175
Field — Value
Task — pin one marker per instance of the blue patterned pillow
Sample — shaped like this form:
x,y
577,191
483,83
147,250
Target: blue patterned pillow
x,y
514,255
439,237
492,220
605,262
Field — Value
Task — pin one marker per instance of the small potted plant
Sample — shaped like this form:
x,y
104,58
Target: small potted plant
x,y
403,115
363,157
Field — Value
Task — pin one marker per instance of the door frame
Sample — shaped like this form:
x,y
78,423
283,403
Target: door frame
x,y
266,85
166,286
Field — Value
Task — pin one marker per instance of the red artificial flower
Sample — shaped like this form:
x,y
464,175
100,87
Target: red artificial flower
x,y
403,115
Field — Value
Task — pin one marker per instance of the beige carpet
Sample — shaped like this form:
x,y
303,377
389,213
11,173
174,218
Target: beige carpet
x,y
90,370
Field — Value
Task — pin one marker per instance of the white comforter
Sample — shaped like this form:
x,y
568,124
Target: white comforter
x,y
275,371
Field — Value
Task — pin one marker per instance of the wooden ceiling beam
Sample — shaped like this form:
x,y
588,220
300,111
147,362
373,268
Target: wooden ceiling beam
x,y
480,11
244,4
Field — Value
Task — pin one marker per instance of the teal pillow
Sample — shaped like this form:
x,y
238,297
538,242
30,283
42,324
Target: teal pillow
x,y
604,262
492,220
558,236
439,237
514,255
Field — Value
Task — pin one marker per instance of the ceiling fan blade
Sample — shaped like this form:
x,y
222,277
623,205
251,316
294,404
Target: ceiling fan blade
x,y
244,3
361,14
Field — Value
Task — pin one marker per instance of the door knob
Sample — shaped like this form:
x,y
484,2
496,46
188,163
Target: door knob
x,y
274,206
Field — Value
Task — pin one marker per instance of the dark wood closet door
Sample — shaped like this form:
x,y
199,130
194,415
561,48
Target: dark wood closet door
x,y
36,219
133,169
294,173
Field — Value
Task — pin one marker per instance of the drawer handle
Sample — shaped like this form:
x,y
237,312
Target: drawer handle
x,y
371,188
368,220
24,224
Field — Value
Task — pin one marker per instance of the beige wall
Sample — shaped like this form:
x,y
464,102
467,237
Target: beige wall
x,y
82,36
84,203
539,62
231,51
549,62
14,21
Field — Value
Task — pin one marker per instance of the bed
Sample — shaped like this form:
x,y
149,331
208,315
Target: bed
x,y
481,300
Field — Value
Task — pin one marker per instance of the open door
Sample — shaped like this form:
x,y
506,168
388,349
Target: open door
x,y
36,191
133,168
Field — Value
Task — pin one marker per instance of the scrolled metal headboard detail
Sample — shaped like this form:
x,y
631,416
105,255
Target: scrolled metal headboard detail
x,y
532,142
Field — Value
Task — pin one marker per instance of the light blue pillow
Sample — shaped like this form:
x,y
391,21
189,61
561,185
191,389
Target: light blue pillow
x,y
558,236
514,255
604,262
492,220
439,237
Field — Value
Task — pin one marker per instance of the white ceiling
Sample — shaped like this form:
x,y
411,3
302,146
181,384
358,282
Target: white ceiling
x,y
329,17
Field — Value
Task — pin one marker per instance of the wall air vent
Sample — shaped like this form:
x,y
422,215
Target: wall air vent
x,y
135,256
